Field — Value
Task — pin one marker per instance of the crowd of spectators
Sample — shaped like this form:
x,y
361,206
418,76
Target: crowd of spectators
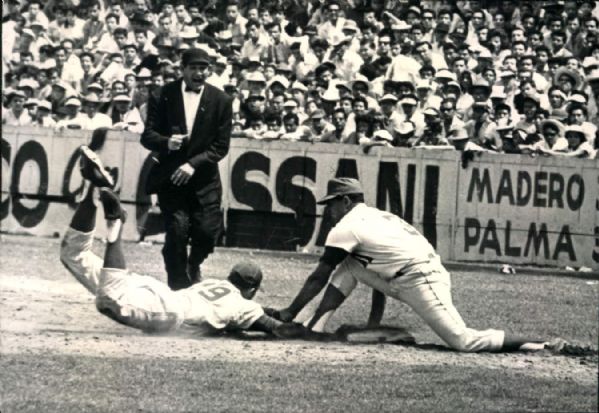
x,y
482,75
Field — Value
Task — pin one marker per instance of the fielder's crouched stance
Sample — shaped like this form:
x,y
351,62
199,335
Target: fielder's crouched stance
x,y
144,302
381,250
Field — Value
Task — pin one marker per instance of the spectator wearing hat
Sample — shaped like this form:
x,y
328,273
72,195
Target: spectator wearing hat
x,y
31,105
43,116
553,139
432,135
391,118
380,137
189,125
426,97
578,145
124,116
409,107
61,91
319,125
94,118
460,140
16,114
70,115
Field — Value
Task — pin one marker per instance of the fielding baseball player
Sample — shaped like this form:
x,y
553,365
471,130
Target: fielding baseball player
x,y
141,301
384,252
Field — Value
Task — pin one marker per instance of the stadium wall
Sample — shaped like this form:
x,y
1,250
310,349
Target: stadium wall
x,y
497,208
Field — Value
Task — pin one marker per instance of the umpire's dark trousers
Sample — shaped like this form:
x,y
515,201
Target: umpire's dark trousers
x,y
191,215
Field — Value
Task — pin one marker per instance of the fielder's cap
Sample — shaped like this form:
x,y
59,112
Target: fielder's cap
x,y
388,98
382,134
246,275
339,187
198,56
73,102
44,104
575,129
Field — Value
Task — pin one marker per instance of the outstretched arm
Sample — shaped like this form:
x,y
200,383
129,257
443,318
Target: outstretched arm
x,y
315,282
266,324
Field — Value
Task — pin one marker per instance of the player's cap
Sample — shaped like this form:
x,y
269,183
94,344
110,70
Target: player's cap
x,y
337,187
245,275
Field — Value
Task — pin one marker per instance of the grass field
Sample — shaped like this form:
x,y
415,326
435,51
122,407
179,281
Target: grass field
x,y
59,355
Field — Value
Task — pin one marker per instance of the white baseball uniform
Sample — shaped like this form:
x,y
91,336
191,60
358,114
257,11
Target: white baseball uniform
x,y
143,302
391,256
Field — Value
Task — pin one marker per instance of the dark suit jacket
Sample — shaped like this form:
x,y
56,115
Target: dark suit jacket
x,y
209,137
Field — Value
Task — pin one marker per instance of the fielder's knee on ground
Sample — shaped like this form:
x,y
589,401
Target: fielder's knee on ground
x,y
76,255
138,301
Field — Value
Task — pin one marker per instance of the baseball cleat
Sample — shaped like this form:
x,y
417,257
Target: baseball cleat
x,y
112,205
93,170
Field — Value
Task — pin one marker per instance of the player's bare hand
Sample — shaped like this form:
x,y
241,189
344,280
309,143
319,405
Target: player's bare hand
x,y
175,142
183,174
283,315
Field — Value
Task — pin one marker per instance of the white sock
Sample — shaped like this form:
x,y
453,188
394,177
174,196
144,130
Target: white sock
x,y
113,227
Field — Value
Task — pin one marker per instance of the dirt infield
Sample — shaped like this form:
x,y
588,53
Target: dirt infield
x,y
47,314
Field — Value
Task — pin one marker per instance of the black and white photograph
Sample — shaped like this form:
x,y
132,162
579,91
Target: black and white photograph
x,y
299,206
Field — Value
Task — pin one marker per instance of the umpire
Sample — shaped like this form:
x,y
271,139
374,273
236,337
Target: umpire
x,y
189,126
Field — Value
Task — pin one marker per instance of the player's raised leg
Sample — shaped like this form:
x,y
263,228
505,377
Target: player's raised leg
x,y
135,300
75,250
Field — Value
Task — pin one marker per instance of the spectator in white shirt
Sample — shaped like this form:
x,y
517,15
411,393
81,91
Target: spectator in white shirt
x,y
16,115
